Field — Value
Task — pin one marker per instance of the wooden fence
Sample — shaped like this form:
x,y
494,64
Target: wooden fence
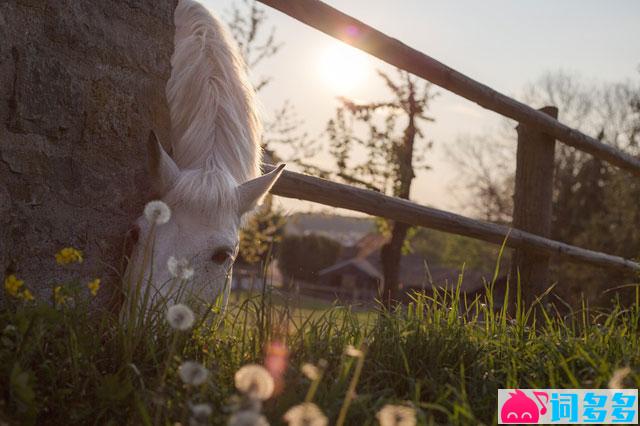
x,y
537,132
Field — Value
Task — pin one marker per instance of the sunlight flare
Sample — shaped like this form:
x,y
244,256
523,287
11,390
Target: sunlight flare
x,y
344,68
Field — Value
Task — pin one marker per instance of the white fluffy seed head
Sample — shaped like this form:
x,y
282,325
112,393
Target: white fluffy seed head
x,y
157,212
200,414
617,379
192,373
311,371
247,418
180,268
180,317
306,414
352,351
396,415
254,381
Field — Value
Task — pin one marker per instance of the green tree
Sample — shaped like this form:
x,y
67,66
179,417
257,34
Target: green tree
x,y
303,256
389,132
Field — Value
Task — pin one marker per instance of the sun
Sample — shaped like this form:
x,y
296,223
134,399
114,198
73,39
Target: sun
x,y
344,68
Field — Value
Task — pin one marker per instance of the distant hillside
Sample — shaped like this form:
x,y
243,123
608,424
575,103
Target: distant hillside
x,y
345,229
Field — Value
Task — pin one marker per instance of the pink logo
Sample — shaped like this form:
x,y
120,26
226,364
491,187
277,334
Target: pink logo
x,y
519,408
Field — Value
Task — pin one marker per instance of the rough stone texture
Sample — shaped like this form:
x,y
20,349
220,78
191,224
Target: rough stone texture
x,y
81,84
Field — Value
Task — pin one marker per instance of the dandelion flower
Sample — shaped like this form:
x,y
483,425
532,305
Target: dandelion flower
x,y
68,255
180,317
192,373
180,268
94,286
351,351
255,381
200,414
396,415
58,296
311,371
616,381
26,295
247,418
306,414
12,284
157,212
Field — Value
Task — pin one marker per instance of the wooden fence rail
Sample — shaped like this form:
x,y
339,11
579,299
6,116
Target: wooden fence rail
x,y
537,132
301,186
350,30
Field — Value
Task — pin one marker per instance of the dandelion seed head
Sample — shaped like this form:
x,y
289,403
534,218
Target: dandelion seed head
x,y
180,317
396,415
192,373
180,268
157,212
311,371
352,351
247,418
10,329
306,414
200,414
616,381
254,381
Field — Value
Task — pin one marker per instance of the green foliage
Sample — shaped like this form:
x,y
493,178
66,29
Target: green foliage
x,y
262,231
302,256
441,248
445,356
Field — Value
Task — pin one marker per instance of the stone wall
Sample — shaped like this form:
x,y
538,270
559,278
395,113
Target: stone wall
x,y
81,84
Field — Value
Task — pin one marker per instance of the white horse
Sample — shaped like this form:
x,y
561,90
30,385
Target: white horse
x,y
212,177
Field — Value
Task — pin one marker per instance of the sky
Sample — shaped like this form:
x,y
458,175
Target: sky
x,y
504,44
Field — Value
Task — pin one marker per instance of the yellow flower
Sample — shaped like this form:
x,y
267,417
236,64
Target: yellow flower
x,y
26,295
58,296
68,255
12,284
94,286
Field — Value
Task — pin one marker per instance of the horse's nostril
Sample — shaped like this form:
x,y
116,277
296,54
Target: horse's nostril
x,y
221,256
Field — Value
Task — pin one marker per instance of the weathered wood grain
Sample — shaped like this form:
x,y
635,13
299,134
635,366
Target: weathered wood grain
x,y
533,202
304,187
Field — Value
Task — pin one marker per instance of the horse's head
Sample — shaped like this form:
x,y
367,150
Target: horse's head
x,y
206,207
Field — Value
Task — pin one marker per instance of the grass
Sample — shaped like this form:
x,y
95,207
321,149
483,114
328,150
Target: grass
x,y
69,365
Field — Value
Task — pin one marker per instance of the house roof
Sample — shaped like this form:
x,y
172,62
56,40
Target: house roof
x,y
348,230
360,264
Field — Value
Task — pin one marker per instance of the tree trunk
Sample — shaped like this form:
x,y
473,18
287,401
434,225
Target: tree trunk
x,y
391,254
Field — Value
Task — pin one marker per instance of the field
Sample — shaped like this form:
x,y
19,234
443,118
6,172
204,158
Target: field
x,y
65,364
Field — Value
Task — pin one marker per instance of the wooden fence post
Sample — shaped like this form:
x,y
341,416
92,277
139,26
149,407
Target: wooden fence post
x,y
532,206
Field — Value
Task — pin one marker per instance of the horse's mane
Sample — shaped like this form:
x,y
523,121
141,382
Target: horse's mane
x,y
214,122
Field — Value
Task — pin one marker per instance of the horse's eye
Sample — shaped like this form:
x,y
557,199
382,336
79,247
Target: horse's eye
x,y
221,256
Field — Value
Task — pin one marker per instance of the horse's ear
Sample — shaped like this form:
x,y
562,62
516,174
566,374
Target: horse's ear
x,y
163,170
251,192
